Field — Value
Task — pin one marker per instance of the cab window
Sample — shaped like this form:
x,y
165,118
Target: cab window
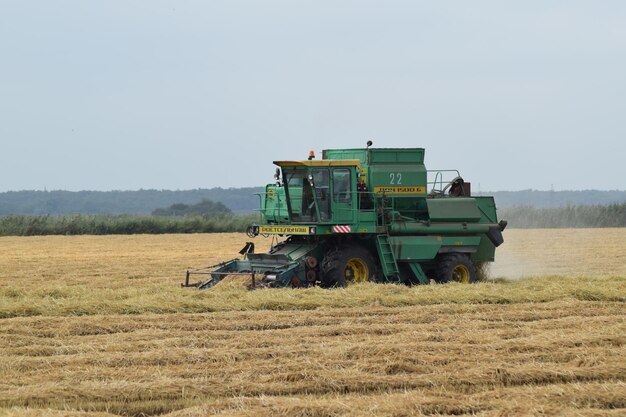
x,y
321,182
341,185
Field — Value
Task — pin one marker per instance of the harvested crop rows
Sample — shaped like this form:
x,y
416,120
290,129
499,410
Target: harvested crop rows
x,y
97,324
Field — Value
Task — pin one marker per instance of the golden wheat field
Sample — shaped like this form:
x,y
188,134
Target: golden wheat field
x,y
99,326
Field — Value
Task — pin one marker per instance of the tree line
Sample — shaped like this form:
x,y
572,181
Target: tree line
x,y
203,217
238,200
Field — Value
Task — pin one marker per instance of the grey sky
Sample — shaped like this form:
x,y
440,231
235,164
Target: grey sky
x,y
104,95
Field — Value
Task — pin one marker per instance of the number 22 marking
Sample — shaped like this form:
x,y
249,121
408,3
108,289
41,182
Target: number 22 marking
x,y
395,178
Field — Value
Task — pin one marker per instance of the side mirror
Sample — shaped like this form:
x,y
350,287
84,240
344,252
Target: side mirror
x,y
277,176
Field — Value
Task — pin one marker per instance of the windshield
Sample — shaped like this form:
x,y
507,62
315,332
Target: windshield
x,y
308,196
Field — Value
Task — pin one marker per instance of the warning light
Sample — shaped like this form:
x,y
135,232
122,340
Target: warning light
x,y
311,155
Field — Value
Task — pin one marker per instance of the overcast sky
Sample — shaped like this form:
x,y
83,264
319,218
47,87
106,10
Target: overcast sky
x,y
102,95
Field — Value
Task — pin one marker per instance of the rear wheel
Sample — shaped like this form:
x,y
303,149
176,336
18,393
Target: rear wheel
x,y
348,265
456,267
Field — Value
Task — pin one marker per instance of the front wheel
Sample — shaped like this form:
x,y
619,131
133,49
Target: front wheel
x,y
348,265
456,267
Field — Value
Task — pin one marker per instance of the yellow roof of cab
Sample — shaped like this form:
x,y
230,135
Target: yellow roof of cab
x,y
321,163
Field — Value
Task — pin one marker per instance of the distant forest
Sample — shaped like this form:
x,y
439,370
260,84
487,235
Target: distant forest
x,y
238,200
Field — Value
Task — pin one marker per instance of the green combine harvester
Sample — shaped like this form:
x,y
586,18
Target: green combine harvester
x,y
367,214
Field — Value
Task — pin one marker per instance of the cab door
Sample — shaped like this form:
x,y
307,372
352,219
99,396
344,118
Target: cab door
x,y
344,194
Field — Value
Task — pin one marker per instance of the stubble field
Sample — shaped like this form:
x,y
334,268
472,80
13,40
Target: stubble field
x,y
99,326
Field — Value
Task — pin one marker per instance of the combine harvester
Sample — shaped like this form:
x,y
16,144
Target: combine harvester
x,y
366,215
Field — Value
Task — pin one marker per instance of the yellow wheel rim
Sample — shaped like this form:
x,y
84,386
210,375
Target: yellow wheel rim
x,y
461,274
356,271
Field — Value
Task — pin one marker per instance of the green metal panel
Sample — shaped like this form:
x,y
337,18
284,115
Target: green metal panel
x,y
456,241
274,207
413,156
366,221
294,251
399,181
398,173
486,250
360,154
487,207
453,210
415,248
412,228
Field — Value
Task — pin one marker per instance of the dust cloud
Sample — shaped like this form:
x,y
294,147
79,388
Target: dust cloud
x,y
560,252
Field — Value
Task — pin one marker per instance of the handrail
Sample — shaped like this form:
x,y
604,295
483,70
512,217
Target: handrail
x,y
439,179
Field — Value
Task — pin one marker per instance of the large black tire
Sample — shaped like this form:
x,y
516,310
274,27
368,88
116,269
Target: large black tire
x,y
456,267
347,265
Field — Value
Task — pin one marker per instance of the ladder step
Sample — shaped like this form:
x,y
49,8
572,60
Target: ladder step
x,y
387,260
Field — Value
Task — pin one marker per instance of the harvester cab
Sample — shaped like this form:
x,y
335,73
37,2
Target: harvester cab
x,y
367,215
313,192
